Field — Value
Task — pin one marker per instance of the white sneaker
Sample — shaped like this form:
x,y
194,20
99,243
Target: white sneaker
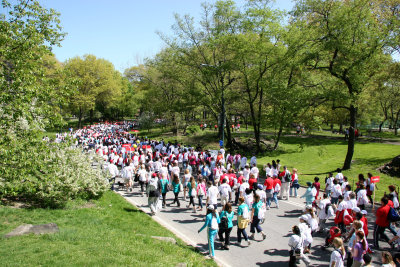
x,y
248,243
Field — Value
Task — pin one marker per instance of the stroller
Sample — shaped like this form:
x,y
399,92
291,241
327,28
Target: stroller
x,y
334,231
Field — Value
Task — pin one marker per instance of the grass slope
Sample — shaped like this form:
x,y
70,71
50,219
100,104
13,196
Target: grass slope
x,y
107,232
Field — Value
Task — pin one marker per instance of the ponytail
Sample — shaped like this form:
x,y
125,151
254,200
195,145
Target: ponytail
x,y
361,235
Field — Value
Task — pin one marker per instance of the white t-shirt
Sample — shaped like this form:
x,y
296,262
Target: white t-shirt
x,y
243,187
212,194
339,177
337,258
329,183
225,189
336,191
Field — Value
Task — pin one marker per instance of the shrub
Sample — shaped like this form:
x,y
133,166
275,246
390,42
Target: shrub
x,y
193,129
47,175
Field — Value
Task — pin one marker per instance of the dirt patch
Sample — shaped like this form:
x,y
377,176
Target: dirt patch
x,y
88,205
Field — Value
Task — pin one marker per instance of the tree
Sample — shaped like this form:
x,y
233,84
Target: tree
x,y
27,32
343,39
96,84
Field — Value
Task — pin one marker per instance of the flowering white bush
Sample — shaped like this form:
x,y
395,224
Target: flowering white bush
x,y
46,174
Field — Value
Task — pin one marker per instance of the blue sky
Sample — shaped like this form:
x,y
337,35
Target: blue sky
x,y
121,31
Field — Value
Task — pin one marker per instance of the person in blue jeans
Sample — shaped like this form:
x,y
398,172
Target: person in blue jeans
x,y
255,221
212,221
228,213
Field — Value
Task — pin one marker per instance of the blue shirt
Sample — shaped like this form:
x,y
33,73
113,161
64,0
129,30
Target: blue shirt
x,y
164,184
240,209
189,185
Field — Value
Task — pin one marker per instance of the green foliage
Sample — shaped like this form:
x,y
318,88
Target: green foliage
x,y
193,129
47,175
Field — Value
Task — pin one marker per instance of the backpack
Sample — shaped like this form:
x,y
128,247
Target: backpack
x,y
214,223
287,177
224,223
393,216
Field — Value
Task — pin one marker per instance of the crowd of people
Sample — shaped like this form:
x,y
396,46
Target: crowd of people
x,y
218,181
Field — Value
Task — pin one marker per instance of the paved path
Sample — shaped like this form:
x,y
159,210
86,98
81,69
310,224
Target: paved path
x,y
273,251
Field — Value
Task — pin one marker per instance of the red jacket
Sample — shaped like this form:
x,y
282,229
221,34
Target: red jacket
x,y
381,216
365,227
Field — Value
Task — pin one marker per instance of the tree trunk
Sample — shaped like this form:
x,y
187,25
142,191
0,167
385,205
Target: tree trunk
x,y
351,141
396,122
80,118
278,137
381,124
228,134
91,116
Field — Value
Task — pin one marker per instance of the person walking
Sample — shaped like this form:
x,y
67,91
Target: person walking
x,y
295,243
153,193
176,188
286,180
212,221
255,218
243,217
192,189
226,225
309,194
164,188
294,185
201,192
381,222
339,254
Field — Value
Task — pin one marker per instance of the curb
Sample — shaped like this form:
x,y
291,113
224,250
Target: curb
x,y
165,224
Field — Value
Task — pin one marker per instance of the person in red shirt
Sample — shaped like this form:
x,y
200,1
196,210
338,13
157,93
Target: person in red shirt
x,y
252,180
381,222
317,186
269,189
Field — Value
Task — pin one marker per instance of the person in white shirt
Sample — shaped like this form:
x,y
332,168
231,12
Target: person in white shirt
x,y
243,187
225,191
335,192
344,183
339,254
329,184
339,176
246,172
253,160
127,172
142,177
243,162
113,171
212,194
254,170
296,244
325,211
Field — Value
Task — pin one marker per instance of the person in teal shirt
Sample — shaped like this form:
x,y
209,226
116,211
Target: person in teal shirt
x,y
192,187
176,188
308,195
255,221
243,216
212,221
228,214
164,188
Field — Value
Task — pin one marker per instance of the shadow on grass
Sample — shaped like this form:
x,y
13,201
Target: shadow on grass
x,y
132,210
376,162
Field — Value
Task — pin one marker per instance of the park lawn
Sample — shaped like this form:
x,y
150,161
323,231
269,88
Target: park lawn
x,y
318,156
105,232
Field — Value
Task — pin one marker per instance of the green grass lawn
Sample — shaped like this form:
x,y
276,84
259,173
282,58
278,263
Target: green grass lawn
x,y
317,156
106,232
